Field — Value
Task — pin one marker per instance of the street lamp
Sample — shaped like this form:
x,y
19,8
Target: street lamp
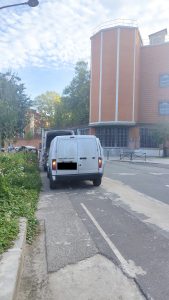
x,y
31,3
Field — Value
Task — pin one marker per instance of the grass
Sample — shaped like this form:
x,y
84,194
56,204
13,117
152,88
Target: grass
x,y
19,191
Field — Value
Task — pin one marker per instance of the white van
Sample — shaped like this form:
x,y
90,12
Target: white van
x,y
75,157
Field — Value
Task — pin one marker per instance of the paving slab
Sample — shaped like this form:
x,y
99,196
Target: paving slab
x,y
95,278
67,239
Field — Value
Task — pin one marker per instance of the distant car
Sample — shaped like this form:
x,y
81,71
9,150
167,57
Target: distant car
x,y
28,149
31,149
17,148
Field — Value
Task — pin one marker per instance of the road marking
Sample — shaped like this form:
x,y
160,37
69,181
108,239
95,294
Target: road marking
x,y
128,267
156,212
125,174
158,173
167,185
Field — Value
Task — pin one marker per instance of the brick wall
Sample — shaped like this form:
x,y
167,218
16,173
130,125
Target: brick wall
x,y
154,61
33,142
115,64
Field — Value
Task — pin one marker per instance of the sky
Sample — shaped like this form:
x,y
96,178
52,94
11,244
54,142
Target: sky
x,y
42,44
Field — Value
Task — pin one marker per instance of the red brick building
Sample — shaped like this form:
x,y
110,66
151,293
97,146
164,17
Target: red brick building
x,y
129,86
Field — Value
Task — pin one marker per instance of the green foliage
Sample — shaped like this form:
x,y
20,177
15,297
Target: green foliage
x,y
4,193
19,189
76,97
28,135
161,133
13,106
73,108
48,106
8,231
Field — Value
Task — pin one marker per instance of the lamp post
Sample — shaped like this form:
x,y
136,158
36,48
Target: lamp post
x,y
31,3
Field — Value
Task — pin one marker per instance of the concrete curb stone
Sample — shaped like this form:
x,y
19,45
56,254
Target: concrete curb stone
x,y
11,265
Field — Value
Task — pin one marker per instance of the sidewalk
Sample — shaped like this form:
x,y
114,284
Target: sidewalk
x,y
159,161
10,276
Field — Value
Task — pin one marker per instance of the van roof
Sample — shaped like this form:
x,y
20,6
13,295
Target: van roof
x,y
59,132
82,136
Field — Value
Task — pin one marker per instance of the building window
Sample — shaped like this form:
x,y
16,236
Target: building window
x,y
147,139
164,108
113,136
164,80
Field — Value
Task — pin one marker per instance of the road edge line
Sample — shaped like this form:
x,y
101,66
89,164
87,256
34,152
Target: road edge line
x,y
123,262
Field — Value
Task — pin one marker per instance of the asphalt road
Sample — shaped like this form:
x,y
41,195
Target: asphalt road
x,y
125,220
146,178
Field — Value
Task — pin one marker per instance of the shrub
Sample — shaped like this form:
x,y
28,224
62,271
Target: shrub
x,y
19,190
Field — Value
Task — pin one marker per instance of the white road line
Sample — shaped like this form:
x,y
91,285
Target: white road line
x,y
167,185
128,267
125,174
158,173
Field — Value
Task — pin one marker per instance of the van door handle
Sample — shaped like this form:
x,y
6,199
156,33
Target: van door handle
x,y
83,157
93,157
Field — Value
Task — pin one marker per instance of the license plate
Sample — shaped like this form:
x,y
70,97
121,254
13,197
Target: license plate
x,y
67,166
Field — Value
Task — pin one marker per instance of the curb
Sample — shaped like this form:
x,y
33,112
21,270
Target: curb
x,y
11,265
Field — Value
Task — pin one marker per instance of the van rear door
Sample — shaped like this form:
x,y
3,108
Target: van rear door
x,y
87,155
67,156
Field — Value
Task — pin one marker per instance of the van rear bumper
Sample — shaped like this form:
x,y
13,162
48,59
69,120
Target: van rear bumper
x,y
71,177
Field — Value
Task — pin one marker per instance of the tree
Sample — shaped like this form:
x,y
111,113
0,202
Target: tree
x,y
49,107
161,135
76,96
14,105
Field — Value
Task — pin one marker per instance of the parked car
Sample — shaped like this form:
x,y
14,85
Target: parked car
x,y
75,157
27,149
17,148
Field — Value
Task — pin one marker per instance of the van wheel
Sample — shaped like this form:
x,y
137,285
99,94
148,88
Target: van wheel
x,y
97,181
52,184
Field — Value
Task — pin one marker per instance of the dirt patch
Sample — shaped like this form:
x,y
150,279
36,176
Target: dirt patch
x,y
34,281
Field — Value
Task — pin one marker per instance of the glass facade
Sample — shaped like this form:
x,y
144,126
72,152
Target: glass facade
x,y
147,138
113,136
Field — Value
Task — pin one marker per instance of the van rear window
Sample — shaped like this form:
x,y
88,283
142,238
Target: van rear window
x,y
67,166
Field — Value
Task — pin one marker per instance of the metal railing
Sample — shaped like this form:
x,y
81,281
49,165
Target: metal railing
x,y
111,152
131,155
123,153
113,23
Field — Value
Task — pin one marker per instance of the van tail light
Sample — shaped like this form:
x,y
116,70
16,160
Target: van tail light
x,y
100,162
53,164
